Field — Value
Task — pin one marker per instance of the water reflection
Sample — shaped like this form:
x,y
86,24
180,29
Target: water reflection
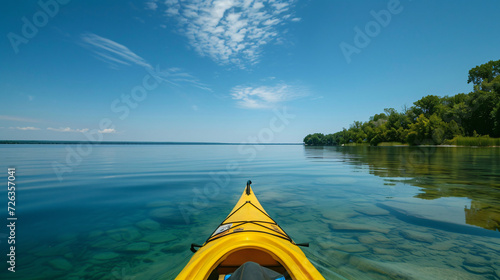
x,y
472,173
482,215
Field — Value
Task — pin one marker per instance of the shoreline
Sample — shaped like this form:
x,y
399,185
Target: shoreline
x,y
403,145
64,142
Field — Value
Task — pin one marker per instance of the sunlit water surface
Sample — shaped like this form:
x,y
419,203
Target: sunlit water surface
x,y
132,211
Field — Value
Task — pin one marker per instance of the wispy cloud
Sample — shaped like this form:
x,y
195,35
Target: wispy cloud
x,y
175,76
25,128
67,129
265,96
151,5
112,52
230,31
17,119
82,130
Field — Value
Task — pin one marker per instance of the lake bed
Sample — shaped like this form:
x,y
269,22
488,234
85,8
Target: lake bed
x,y
131,212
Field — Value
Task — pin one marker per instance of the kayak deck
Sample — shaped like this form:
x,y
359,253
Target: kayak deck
x,y
248,234
248,216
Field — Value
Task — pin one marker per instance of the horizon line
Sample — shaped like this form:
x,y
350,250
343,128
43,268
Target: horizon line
x,y
59,142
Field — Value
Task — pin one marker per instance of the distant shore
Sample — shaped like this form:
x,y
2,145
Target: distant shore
x,y
396,144
63,142
464,119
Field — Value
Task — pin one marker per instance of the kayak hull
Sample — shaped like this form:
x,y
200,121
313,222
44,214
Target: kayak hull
x,y
241,241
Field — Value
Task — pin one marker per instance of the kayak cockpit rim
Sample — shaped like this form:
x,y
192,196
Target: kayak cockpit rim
x,y
226,264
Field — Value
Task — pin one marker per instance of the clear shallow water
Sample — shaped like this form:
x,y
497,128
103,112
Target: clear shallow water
x,y
131,212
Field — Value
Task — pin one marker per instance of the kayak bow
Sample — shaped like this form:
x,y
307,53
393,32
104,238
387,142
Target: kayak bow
x,y
248,234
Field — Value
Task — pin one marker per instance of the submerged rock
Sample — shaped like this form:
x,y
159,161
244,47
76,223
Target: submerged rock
x,y
334,240
49,251
417,236
175,248
373,238
106,243
327,245
491,244
106,255
352,248
359,227
95,233
304,217
159,237
384,251
60,264
402,270
292,204
272,196
338,214
442,246
167,215
380,238
284,213
371,210
138,247
478,269
366,239
127,234
67,237
148,224
472,260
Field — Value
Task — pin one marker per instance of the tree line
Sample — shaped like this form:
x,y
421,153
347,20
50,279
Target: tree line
x,y
432,120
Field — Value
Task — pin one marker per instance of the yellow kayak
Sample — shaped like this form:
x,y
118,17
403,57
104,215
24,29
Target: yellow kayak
x,y
248,234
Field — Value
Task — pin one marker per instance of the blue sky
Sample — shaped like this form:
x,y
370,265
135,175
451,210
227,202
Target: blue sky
x,y
228,70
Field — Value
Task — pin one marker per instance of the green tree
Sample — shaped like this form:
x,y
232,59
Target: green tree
x,y
427,130
484,72
484,100
495,115
453,129
330,140
432,119
377,117
481,105
427,105
313,139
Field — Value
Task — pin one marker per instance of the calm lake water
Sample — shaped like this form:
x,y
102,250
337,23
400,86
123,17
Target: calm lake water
x,y
131,211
